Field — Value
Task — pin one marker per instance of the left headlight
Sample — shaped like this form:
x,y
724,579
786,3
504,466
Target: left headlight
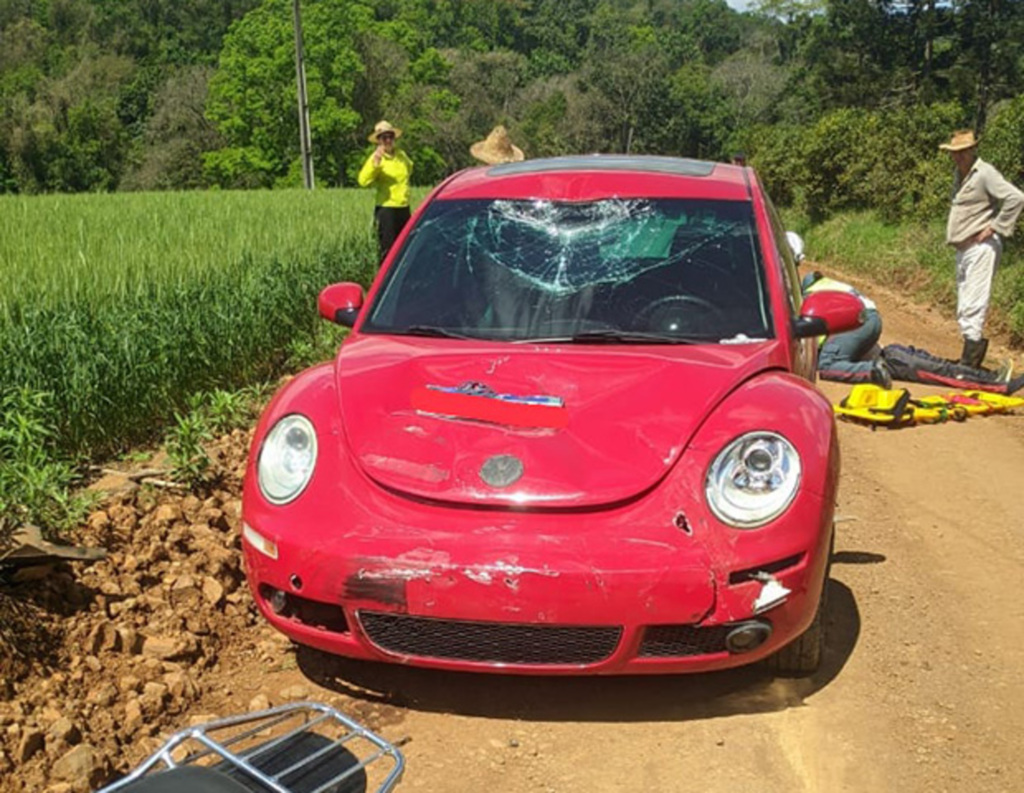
x,y
287,459
753,479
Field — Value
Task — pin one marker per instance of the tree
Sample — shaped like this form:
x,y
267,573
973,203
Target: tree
x,y
789,10
460,95
252,95
70,138
753,80
486,84
554,34
847,55
990,39
626,66
161,31
717,30
698,119
176,136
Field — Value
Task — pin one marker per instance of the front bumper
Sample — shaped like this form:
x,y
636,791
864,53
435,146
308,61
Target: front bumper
x,y
533,600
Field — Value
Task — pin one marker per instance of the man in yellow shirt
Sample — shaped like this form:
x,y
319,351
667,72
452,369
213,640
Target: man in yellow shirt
x,y
387,169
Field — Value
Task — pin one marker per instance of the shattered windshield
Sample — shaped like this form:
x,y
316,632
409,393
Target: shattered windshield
x,y
631,270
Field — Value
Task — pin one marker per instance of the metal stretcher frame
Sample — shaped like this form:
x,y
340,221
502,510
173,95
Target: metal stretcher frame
x,y
243,764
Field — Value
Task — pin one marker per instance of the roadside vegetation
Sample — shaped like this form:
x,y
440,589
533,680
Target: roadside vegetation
x,y
165,95
870,190
123,308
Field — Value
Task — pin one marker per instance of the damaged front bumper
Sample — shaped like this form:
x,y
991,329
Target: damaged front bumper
x,y
536,602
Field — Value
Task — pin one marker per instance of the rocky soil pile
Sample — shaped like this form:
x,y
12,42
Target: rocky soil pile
x,y
98,662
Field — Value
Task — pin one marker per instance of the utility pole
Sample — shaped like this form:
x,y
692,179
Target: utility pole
x,y
305,141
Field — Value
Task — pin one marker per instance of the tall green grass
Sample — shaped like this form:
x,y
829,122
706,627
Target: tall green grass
x,y
120,306
87,248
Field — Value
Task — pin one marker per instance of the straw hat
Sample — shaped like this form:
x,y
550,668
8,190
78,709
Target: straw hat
x,y
383,126
496,148
962,139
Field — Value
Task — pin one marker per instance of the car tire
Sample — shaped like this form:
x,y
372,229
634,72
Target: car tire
x,y
802,656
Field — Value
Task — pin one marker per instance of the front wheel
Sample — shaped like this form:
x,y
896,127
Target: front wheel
x,y
802,656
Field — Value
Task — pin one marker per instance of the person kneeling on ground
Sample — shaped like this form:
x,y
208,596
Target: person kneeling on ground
x,y
851,357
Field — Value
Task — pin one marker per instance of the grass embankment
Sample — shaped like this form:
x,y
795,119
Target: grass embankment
x,y
916,260
116,308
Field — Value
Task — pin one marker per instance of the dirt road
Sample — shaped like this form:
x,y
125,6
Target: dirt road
x,y
920,690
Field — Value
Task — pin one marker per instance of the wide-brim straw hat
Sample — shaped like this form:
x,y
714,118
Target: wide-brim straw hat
x,y
497,148
961,140
383,126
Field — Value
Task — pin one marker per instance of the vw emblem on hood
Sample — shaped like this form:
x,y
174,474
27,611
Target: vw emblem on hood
x,y
501,470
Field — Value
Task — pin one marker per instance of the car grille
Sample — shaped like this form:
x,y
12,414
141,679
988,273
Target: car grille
x,y
489,642
662,641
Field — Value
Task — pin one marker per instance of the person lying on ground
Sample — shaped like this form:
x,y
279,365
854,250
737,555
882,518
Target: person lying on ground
x,y
854,356
920,366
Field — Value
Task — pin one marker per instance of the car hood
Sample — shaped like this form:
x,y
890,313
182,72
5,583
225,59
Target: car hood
x,y
549,426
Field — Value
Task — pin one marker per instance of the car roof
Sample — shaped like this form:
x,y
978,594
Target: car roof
x,y
596,176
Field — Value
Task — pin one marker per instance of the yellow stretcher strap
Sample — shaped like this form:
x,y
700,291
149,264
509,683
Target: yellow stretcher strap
x,y
998,402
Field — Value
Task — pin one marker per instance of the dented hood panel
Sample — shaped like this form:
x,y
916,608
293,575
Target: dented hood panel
x,y
586,426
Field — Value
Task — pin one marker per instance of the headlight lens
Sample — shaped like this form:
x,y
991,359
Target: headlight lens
x,y
287,459
753,479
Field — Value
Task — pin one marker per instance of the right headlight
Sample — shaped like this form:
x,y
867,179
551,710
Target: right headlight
x,y
753,479
287,459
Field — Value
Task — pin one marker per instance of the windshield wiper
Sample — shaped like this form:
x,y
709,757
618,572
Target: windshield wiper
x,y
431,331
612,336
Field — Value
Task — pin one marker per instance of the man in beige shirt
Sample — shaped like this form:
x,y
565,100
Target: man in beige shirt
x,y
984,210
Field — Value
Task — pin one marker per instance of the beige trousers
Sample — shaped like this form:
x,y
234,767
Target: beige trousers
x,y
975,269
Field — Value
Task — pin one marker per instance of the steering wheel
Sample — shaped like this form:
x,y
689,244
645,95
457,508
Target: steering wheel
x,y
674,312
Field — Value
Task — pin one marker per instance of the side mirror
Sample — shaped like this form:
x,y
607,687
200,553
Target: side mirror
x,y
340,303
827,313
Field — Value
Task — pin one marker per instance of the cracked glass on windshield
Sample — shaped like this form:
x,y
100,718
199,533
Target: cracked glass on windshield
x,y
635,269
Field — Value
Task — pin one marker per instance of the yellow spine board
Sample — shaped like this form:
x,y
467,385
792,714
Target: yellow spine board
x,y
871,404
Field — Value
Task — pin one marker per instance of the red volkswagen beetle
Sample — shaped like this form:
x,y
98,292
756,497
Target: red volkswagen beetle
x,y
573,430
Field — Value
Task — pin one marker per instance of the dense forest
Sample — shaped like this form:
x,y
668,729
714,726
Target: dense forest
x,y
839,103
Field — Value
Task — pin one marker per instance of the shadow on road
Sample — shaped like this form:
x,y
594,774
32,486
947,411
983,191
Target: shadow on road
x,y
589,698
